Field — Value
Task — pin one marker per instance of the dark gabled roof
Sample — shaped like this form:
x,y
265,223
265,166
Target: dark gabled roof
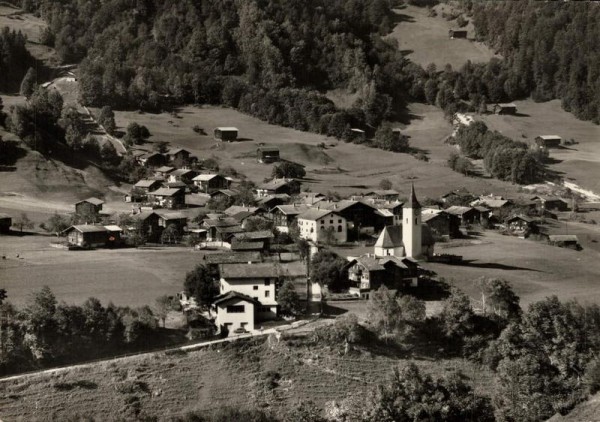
x,y
427,238
176,185
87,228
226,192
206,177
144,215
261,234
234,295
220,222
458,210
390,237
146,183
432,216
92,200
177,151
232,258
343,205
171,215
181,172
291,209
267,149
278,196
241,216
383,192
275,184
259,270
165,169
235,209
237,245
229,229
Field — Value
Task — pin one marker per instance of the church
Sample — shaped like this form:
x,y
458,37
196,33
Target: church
x,y
413,239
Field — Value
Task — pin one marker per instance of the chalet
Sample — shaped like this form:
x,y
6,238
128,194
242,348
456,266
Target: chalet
x,y
5,223
267,154
165,219
570,241
367,273
163,172
309,198
284,216
147,185
387,194
361,217
87,236
152,160
550,203
224,193
257,281
209,183
441,223
268,202
278,186
466,215
548,141
521,225
226,134
263,236
457,33
170,198
391,243
146,225
504,108
492,202
318,224
247,246
179,157
90,206
235,312
182,175
221,229
458,197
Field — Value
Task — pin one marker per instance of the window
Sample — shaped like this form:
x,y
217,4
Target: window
x,y
340,221
235,309
339,229
330,221
267,293
322,227
312,230
255,288
416,221
267,282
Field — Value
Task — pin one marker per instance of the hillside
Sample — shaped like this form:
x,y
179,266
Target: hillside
x,y
235,374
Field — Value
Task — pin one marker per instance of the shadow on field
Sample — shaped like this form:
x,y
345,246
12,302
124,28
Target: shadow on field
x,y
494,266
521,115
401,17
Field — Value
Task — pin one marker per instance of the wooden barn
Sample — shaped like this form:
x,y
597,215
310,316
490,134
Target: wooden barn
x,y
87,236
90,206
504,108
570,241
457,33
267,155
209,183
548,141
226,134
168,197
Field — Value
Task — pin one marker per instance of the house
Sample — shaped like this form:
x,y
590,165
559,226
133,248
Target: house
x,y
492,202
213,261
278,186
90,206
179,157
146,225
387,194
165,219
267,154
235,209
170,198
457,33
257,281
152,160
87,236
520,224
163,172
114,235
367,273
182,175
226,134
442,223
263,236
235,312
309,198
224,194
548,141
550,203
322,225
5,223
466,215
361,217
459,196
221,229
284,216
245,246
268,202
388,213
209,183
147,185
570,241
504,108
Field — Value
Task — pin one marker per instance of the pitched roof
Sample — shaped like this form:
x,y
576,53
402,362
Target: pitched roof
x,y
113,228
261,234
291,209
206,177
165,169
390,237
275,184
342,205
166,191
229,229
181,172
146,183
227,192
258,270
412,199
87,228
92,200
177,150
144,215
525,218
495,203
3,216
220,222
383,192
237,245
232,258
549,137
171,215
234,209
269,198
432,216
227,128
507,105
314,214
268,149
458,210
234,295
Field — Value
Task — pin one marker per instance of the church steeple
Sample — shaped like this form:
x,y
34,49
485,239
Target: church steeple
x,y
412,199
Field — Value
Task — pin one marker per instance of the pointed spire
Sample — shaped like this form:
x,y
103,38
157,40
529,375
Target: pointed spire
x,y
412,199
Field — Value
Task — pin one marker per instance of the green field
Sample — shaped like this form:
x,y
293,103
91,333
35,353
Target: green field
x,y
425,39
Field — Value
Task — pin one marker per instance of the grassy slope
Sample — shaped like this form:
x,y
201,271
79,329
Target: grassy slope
x,y
580,163
425,39
207,379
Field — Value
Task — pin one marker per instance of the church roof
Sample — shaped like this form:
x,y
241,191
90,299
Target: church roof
x,y
412,199
390,237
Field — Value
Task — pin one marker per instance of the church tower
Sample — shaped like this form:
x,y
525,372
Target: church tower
x,y
411,226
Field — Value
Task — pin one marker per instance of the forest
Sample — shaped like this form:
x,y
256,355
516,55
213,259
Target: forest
x,y
14,59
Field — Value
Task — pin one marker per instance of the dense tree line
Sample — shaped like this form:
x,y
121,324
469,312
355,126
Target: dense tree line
x,y
14,59
47,332
550,48
503,158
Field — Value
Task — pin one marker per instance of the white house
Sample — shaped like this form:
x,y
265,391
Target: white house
x,y
315,224
235,311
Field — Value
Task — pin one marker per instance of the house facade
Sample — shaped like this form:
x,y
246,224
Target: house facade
x,y
367,273
320,225
209,183
235,313
88,236
285,216
226,133
170,198
90,206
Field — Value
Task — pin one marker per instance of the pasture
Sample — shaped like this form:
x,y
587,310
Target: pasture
x,y
578,163
424,39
